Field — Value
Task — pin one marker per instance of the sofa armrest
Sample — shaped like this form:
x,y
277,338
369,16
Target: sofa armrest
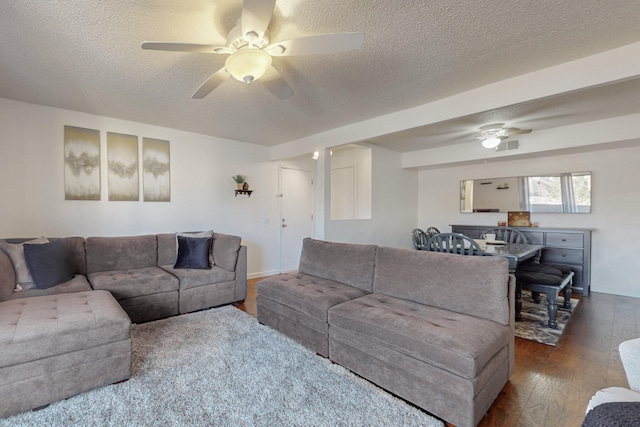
x,y
512,323
241,274
630,356
7,276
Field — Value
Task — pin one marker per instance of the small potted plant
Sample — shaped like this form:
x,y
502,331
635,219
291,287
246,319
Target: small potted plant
x,y
240,181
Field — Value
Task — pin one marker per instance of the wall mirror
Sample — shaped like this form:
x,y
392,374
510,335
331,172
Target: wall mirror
x,y
553,193
350,182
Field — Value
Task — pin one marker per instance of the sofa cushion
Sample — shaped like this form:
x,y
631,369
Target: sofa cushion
x,y
225,250
48,263
446,280
45,326
134,282
167,248
16,254
193,252
76,253
192,278
311,295
455,342
121,253
347,263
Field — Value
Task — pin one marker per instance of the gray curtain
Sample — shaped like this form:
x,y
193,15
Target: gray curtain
x,y
523,193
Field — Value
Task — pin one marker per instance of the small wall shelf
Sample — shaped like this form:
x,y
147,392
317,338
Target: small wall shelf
x,y
247,192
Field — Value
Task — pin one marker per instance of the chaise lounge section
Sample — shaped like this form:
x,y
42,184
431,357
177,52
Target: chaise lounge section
x,y
57,346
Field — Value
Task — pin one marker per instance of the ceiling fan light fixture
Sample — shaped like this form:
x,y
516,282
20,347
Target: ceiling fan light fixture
x,y
491,142
247,65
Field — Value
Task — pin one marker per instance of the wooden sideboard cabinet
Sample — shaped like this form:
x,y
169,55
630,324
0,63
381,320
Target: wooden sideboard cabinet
x,y
561,245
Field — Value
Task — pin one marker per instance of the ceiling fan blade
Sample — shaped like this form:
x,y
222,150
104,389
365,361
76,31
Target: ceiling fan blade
x,y
256,15
516,131
276,84
211,83
186,47
318,44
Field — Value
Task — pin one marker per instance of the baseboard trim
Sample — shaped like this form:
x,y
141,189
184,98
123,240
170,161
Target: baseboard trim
x,y
262,274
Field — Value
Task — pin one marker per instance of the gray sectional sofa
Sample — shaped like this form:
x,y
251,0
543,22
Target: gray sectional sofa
x,y
75,336
435,329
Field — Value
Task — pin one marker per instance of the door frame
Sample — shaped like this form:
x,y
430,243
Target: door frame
x,y
280,213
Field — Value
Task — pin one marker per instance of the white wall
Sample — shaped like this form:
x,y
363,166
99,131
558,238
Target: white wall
x,y
490,196
615,207
202,190
394,205
359,159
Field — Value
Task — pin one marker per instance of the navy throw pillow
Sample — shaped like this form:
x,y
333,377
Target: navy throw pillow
x,y
193,252
48,264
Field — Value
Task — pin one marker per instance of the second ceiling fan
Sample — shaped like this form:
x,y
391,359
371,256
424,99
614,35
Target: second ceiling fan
x,y
250,52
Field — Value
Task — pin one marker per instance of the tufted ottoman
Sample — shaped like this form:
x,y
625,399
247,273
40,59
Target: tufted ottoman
x,y
56,346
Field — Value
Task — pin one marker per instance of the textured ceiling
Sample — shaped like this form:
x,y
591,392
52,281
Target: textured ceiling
x,y
86,56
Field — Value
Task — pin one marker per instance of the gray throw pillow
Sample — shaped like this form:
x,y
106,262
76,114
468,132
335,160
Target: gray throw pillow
x,y
48,264
16,254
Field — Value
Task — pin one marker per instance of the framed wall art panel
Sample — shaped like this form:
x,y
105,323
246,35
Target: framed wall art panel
x,y
156,170
122,160
81,163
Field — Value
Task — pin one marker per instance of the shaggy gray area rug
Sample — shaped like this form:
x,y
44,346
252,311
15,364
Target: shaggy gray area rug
x,y
220,367
533,325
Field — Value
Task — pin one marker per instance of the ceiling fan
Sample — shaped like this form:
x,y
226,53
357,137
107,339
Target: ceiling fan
x,y
250,52
492,135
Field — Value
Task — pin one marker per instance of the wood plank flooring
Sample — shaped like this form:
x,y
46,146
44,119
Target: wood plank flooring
x,y
552,385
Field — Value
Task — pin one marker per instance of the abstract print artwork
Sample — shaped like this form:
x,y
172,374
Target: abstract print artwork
x,y
155,166
122,160
81,163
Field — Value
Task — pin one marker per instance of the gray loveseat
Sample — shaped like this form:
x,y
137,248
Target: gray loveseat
x,y
435,329
75,336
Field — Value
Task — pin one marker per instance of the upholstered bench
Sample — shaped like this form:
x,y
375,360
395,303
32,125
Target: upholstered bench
x,y
549,279
56,346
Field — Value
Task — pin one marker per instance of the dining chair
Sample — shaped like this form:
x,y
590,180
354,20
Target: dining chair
x,y
432,231
454,243
507,234
420,239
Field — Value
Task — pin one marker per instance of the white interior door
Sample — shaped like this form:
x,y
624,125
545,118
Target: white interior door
x,y
296,215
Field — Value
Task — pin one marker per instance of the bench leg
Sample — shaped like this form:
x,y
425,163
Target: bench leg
x,y
518,301
536,297
567,297
552,298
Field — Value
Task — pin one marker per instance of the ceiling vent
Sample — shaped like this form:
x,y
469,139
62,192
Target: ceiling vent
x,y
508,145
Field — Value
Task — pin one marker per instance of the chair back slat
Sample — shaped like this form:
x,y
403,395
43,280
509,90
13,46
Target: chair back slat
x,y
454,243
507,234
419,238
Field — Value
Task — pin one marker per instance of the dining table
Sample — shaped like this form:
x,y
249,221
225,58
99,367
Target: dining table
x,y
515,254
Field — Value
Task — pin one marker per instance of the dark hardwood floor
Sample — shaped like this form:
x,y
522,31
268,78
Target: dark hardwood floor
x,y
552,385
